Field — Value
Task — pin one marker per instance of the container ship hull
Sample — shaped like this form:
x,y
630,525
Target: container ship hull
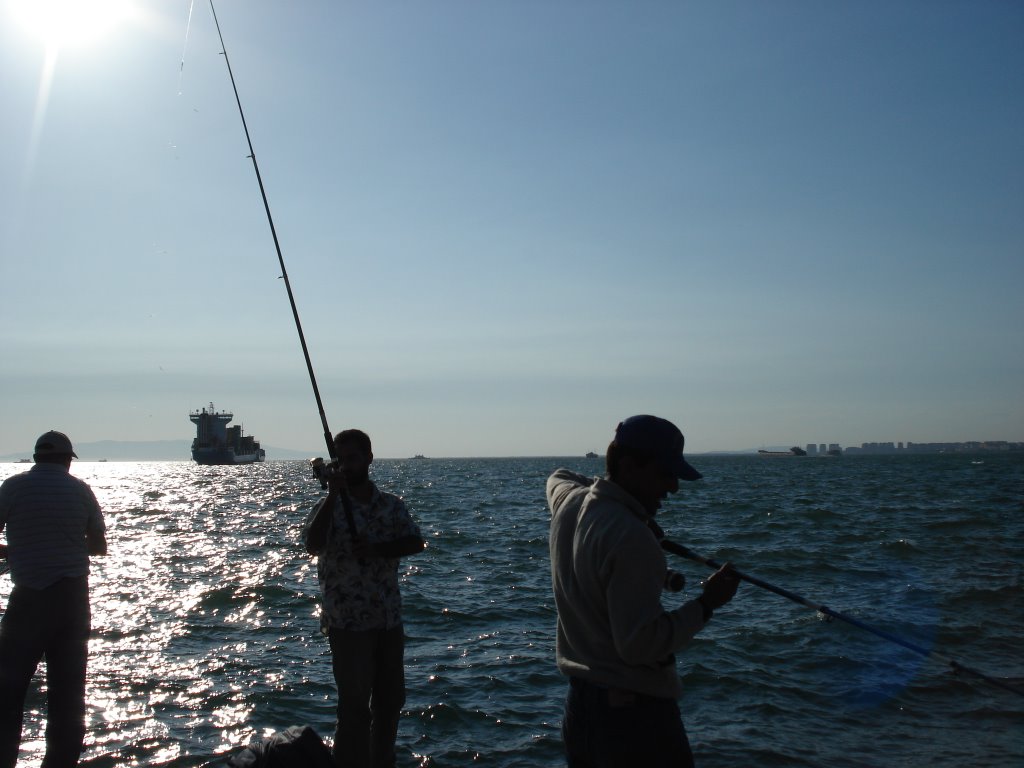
x,y
207,455
794,451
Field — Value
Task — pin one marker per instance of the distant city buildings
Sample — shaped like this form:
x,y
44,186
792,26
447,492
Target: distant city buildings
x,y
901,448
832,449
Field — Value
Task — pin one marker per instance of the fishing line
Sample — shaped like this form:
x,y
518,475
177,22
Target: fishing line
x,y
317,468
184,47
679,549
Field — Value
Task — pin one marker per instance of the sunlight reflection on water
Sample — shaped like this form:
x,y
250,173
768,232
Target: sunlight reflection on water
x,y
206,633
187,606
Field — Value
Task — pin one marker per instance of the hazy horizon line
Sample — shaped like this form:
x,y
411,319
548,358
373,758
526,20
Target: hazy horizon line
x,y
160,450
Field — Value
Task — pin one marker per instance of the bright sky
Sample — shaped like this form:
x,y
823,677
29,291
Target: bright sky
x,y
509,225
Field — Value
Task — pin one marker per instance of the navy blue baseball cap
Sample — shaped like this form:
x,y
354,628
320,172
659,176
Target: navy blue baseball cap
x,y
658,438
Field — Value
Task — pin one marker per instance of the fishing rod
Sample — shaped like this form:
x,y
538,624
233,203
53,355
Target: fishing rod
x,y
679,549
317,465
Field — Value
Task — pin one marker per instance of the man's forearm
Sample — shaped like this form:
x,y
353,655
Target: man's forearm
x,y
406,545
316,534
96,544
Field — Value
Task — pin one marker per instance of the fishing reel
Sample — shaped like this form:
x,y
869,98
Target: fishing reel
x,y
674,581
322,469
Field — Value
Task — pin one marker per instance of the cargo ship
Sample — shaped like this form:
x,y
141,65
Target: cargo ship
x,y
217,443
794,451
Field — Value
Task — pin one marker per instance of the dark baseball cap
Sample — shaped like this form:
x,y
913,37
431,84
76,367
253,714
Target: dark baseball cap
x,y
54,443
658,438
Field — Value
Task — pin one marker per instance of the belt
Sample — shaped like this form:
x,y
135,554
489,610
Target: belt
x,y
616,698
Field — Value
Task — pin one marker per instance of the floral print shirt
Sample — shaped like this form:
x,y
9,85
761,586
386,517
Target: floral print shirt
x,y
362,594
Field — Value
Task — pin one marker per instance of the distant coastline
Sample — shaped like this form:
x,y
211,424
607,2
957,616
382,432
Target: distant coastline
x,y
151,450
179,450
888,449
983,446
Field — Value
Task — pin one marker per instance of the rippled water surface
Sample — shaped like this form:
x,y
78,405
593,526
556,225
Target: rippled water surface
x,y
206,637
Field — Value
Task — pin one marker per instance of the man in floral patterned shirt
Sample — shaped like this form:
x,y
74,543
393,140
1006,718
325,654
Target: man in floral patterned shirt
x,y
359,533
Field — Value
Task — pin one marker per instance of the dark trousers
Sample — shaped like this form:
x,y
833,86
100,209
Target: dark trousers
x,y
609,728
369,670
51,623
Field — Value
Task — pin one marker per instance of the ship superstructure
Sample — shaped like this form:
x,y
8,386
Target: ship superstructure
x,y
217,443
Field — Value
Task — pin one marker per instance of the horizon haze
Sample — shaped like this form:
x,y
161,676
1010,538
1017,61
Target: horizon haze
x,y
179,450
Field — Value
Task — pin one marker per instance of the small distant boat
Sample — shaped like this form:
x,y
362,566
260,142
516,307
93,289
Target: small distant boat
x,y
794,451
419,456
216,443
591,455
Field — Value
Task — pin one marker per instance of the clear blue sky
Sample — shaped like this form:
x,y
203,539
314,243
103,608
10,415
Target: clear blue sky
x,y
508,225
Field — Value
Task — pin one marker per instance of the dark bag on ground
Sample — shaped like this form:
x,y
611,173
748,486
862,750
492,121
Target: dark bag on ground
x,y
295,747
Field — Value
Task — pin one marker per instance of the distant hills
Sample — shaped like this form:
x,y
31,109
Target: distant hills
x,y
153,450
181,450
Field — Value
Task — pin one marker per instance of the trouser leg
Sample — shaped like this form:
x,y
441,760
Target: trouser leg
x,y
370,675
21,648
574,729
67,652
65,702
352,662
388,696
603,730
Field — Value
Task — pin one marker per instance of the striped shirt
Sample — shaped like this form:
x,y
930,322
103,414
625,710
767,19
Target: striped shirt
x,y
47,513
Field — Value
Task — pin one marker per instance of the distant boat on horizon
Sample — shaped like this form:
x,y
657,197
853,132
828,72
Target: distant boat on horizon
x,y
591,455
794,451
215,443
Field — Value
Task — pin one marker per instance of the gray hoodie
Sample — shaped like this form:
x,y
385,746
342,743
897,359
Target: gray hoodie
x,y
607,572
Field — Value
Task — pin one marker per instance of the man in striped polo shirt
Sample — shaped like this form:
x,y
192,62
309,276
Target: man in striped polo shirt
x,y
53,524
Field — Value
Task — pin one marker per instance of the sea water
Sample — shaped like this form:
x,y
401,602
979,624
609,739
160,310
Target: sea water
x,y
205,631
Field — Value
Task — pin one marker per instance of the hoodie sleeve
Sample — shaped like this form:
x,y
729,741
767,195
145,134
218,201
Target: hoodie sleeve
x,y
562,483
642,630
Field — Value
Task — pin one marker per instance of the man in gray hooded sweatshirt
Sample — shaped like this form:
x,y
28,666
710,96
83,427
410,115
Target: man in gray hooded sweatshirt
x,y
615,641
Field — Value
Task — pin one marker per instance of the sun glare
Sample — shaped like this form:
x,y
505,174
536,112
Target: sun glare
x,y
63,23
